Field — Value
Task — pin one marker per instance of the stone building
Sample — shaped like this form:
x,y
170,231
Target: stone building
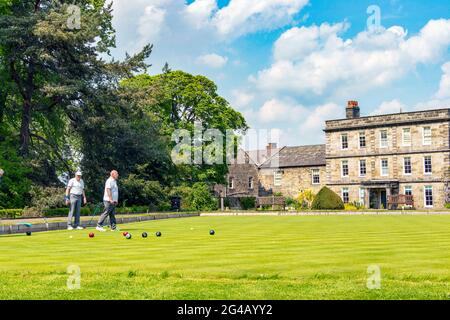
x,y
375,159
287,170
384,161
294,169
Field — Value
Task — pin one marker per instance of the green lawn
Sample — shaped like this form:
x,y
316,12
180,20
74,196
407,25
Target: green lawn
x,y
317,257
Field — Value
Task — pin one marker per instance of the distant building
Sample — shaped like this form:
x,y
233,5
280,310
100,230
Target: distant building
x,y
370,159
384,161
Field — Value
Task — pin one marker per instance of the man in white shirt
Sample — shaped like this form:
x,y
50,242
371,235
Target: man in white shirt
x,y
74,195
110,200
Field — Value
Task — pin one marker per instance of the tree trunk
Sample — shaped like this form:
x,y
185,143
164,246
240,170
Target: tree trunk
x,y
25,129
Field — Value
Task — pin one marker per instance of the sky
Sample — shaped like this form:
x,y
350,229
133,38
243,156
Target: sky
x,y
290,65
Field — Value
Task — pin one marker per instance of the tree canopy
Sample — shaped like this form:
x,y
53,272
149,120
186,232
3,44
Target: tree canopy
x,y
65,104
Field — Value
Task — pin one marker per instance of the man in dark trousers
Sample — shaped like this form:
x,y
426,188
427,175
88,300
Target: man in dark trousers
x,y
110,201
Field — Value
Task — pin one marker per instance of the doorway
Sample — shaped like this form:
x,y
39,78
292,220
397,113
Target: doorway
x,y
378,199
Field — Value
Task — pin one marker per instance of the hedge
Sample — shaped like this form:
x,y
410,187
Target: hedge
x,y
61,212
10,213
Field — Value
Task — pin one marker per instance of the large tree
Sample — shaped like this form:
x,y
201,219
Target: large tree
x,y
179,100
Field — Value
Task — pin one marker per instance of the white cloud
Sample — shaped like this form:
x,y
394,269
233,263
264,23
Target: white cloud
x,y
150,24
312,61
311,128
297,43
276,110
212,60
200,12
244,16
444,86
241,98
387,107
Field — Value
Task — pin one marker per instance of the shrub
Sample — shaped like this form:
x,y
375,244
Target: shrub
x,y
137,191
305,199
293,203
350,207
196,198
248,203
11,213
43,198
327,199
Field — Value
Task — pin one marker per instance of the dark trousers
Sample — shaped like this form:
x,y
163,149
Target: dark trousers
x,y
75,209
110,211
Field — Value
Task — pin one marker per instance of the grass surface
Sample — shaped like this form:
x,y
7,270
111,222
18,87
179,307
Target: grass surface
x,y
317,257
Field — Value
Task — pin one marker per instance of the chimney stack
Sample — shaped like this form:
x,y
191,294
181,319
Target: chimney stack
x,y
352,110
271,146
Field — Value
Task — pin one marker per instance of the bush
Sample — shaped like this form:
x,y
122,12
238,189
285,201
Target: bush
x,y
43,198
14,185
137,191
327,199
305,199
196,198
292,203
11,213
350,207
248,203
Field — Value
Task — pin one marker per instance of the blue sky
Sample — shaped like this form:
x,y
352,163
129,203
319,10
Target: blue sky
x,y
292,64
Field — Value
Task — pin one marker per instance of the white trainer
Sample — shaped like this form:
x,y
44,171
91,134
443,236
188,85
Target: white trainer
x,y
69,228
80,228
100,229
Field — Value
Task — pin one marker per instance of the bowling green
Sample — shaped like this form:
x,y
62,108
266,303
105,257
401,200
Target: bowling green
x,y
263,257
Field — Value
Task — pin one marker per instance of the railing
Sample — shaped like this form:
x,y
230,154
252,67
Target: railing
x,y
271,201
400,200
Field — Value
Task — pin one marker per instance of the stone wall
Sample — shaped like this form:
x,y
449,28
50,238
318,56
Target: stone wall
x,y
293,181
394,152
241,174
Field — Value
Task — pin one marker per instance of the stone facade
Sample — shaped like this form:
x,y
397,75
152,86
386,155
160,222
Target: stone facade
x,y
414,139
403,154
293,180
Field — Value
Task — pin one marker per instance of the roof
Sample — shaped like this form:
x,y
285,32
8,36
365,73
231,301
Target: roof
x,y
300,156
256,157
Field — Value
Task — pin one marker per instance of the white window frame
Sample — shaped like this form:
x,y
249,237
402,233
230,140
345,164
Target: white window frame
x,y
362,133
359,167
277,178
381,168
424,166
230,183
342,169
404,142
407,187
381,139
343,190
315,172
426,142
425,196
251,185
362,196
342,141
404,167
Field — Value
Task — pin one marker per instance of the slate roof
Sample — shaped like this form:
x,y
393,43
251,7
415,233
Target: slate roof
x,y
300,156
257,157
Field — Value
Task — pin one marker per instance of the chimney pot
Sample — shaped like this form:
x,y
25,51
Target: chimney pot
x,y
352,110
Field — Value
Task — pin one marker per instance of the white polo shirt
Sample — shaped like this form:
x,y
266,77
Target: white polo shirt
x,y
76,187
111,183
